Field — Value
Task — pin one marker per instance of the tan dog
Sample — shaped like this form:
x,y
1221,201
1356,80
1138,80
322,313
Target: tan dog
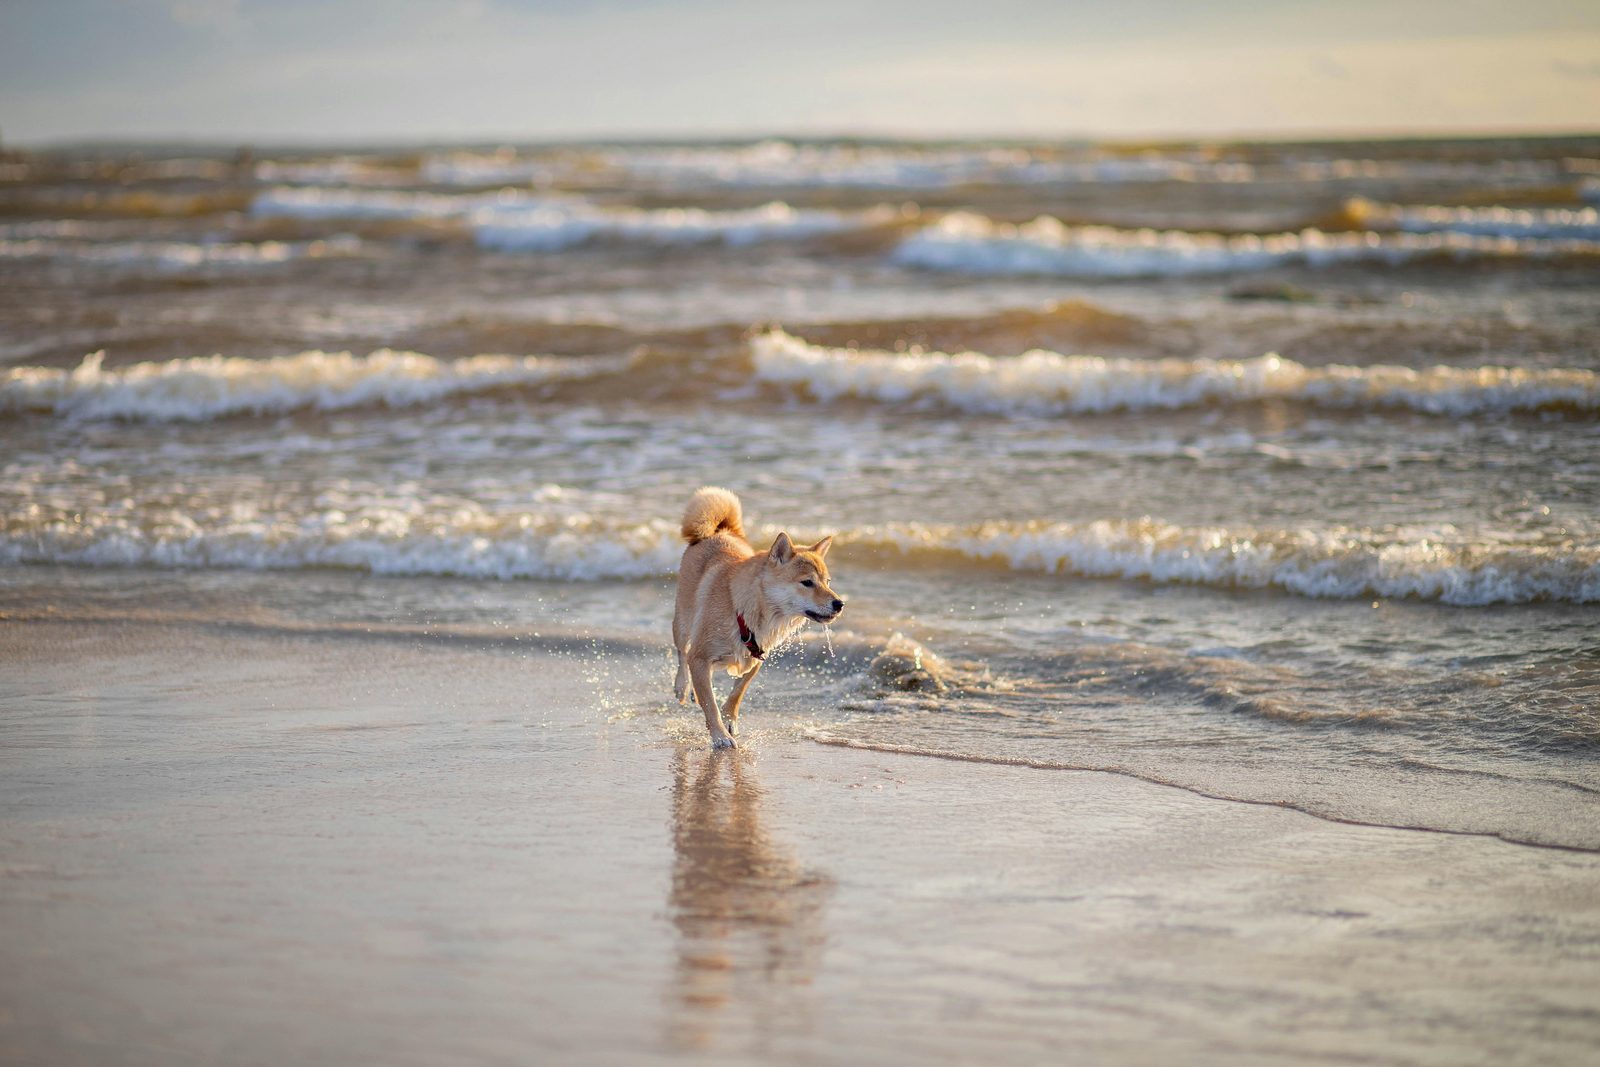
x,y
735,605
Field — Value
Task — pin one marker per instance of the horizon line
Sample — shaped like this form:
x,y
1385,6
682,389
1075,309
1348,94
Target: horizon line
x,y
404,141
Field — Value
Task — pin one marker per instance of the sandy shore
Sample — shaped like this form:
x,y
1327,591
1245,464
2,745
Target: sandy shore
x,y
243,847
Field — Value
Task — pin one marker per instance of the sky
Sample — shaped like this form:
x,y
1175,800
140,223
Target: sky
x,y
375,71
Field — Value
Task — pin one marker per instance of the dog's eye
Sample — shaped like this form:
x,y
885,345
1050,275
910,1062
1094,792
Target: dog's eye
x,y
808,583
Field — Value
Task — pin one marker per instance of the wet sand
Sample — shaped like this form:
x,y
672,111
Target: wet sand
x,y
247,847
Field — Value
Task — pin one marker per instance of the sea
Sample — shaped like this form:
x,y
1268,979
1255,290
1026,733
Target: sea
x,y
1268,471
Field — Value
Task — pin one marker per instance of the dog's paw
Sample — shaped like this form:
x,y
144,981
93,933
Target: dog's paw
x,y
722,742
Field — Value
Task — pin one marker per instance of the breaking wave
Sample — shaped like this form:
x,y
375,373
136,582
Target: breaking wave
x,y
460,541
1334,563
1548,223
489,169
514,221
1047,383
976,244
453,537
777,163
554,227
196,389
316,204
782,163
1035,384
177,255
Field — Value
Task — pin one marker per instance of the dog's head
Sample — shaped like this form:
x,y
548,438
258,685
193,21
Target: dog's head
x,y
796,579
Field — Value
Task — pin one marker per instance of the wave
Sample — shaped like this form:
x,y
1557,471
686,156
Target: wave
x,y
555,227
975,244
489,169
463,539
1550,223
514,221
784,163
1035,384
776,163
1047,383
196,389
177,255
355,204
337,170
1335,563
458,541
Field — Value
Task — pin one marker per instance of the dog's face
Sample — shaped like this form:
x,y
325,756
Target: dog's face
x,y
797,580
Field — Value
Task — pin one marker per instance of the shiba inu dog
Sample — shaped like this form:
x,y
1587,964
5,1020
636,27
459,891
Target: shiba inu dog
x,y
735,604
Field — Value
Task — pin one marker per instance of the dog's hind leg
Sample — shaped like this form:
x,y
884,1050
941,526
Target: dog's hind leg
x,y
700,672
730,707
680,684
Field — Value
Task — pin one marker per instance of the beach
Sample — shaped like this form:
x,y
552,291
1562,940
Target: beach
x,y
245,846
1218,524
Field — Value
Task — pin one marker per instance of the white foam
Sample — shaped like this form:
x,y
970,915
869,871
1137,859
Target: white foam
x,y
559,226
1557,223
774,163
1337,563
1048,383
1501,171
515,221
339,170
209,387
177,255
972,243
502,167
406,536
461,540
318,204
784,163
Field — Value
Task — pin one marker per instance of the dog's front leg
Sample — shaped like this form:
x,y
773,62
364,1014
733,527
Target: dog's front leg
x,y
730,710
700,673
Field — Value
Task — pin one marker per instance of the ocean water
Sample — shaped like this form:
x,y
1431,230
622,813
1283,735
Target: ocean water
x,y
1267,471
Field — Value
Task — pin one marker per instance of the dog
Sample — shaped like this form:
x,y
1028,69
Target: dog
x,y
735,605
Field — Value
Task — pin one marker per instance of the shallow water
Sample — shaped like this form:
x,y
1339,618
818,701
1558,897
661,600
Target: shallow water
x,y
1268,471
485,846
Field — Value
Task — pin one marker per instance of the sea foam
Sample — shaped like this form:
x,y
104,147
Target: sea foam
x,y
1550,223
554,227
459,538
513,221
177,256
1331,563
975,244
196,389
1048,383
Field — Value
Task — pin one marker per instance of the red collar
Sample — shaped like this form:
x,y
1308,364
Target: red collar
x,y
749,638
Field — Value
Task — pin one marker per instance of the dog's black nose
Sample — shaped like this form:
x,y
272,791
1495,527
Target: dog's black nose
x,y
837,604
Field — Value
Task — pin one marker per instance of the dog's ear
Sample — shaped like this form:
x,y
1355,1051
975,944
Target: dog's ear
x,y
782,550
822,546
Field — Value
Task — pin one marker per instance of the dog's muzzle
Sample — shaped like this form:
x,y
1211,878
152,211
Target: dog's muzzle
x,y
817,616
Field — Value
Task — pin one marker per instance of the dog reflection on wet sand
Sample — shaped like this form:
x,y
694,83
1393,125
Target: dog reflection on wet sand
x,y
749,916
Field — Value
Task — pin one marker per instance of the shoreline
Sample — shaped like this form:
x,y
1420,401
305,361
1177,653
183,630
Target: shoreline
x,y
502,854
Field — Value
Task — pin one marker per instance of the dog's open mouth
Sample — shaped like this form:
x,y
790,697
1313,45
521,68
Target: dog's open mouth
x,y
818,616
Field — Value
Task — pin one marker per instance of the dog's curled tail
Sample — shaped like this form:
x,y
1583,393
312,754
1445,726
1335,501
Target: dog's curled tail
x,y
710,511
